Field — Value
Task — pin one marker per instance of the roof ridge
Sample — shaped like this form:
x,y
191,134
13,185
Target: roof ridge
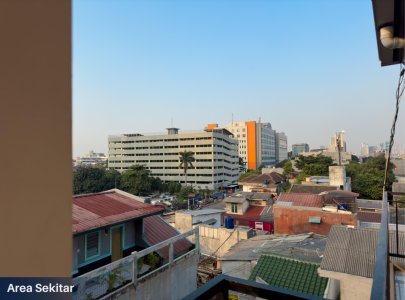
x,y
290,258
92,194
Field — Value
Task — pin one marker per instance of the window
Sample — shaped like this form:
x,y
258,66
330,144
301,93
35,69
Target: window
x,y
92,245
234,207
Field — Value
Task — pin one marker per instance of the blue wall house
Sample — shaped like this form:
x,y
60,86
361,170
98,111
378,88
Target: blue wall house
x,y
110,225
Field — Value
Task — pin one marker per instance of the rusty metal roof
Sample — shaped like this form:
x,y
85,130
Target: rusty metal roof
x,y
96,210
301,199
271,178
156,230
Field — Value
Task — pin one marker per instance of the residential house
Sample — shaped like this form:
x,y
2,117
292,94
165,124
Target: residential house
x,y
285,262
110,225
251,209
269,182
350,257
187,219
301,213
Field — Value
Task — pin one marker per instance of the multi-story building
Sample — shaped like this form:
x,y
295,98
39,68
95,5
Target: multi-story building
x,y
365,150
299,148
215,153
338,139
91,159
257,143
281,147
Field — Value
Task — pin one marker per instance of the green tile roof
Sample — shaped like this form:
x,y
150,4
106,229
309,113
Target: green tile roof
x,y
290,274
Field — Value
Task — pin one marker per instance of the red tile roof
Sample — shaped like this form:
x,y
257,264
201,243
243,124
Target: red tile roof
x,y
365,216
156,230
301,199
253,213
92,211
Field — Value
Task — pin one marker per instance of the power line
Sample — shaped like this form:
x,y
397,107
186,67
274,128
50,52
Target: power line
x,y
399,92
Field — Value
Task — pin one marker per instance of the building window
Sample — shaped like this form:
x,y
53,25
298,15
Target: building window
x,y
92,245
234,207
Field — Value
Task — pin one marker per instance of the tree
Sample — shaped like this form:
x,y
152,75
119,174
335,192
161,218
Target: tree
x,y
94,179
314,165
368,178
137,180
287,168
186,162
242,165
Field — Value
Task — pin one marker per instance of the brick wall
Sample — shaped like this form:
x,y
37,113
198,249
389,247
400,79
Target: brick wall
x,y
294,220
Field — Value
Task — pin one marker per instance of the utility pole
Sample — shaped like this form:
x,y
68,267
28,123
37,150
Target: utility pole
x,y
338,148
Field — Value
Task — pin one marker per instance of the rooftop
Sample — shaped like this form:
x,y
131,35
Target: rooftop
x,y
268,178
352,250
200,212
311,189
156,230
290,274
300,199
97,210
305,247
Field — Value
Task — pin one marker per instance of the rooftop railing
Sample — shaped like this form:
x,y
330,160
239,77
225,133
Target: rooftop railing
x,y
113,278
388,249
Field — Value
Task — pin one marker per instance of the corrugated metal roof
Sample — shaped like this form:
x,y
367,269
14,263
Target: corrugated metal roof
x,y
352,250
270,178
101,209
311,189
365,216
156,230
301,199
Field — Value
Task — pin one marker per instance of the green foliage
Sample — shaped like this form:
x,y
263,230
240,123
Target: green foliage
x,y
248,173
368,178
314,165
172,187
282,163
114,278
137,180
184,192
287,167
94,179
301,177
153,260
287,187
186,161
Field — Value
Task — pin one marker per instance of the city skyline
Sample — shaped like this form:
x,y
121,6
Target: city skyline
x,y
139,65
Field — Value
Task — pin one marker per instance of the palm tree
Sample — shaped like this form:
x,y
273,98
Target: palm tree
x,y
186,159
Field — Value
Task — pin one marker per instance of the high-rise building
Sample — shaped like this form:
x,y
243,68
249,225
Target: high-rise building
x,y
338,139
365,150
281,147
299,148
257,143
215,152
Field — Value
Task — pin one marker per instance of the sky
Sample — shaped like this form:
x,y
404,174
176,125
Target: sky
x,y
310,68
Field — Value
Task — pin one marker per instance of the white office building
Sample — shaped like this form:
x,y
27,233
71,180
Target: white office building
x,y
215,152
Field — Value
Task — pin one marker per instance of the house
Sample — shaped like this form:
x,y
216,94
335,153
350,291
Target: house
x,y
187,219
251,209
269,182
294,275
110,225
350,257
289,262
301,213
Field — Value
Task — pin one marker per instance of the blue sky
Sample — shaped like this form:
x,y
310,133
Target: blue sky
x,y
309,67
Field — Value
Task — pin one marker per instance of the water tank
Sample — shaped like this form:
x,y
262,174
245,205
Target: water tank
x,y
229,222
